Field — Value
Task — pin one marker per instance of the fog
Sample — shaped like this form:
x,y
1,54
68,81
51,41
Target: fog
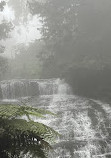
x,y
55,51
58,42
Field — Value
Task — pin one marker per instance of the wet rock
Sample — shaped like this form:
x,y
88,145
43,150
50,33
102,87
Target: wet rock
x,y
33,89
1,96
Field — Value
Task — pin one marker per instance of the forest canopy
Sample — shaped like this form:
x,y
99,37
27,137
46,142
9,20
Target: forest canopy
x,y
66,37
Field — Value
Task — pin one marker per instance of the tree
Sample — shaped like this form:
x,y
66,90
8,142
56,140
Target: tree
x,y
5,28
58,17
31,66
77,35
2,4
64,20
29,136
59,21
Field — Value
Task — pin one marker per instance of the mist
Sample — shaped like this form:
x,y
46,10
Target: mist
x,y
58,52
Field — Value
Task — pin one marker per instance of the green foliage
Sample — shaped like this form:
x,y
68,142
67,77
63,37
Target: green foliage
x,y
2,49
58,17
2,4
67,28
5,28
24,133
13,111
59,28
77,35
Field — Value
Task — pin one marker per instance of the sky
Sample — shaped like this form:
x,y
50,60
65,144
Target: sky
x,y
25,25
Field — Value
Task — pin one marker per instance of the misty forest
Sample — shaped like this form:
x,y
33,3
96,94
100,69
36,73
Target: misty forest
x,y
55,78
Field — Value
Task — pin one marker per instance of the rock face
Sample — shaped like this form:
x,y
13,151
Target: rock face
x,y
1,93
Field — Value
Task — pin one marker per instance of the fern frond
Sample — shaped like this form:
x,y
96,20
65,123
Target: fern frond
x,y
13,111
16,132
38,129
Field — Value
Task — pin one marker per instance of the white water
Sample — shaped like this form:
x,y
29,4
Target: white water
x,y
85,125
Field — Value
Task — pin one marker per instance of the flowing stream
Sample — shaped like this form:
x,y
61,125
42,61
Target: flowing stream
x,y
84,124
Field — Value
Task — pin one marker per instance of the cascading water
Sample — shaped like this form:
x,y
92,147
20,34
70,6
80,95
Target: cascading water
x,y
13,89
84,124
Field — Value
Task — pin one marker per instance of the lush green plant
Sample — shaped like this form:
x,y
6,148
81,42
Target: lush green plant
x,y
19,137
2,4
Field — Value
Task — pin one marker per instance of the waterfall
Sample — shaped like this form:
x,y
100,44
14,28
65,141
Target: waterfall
x,y
84,124
13,89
